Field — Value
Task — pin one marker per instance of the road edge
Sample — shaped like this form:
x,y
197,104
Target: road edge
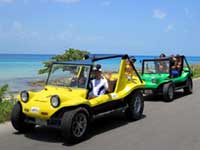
x,y
196,79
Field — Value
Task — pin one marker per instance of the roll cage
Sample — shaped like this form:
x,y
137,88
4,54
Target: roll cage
x,y
183,63
90,62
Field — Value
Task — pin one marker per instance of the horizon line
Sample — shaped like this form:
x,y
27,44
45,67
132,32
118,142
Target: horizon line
x,y
90,53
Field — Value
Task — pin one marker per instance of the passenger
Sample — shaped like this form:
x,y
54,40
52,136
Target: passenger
x,y
108,75
162,55
173,62
179,62
112,81
98,85
81,82
129,68
78,82
163,65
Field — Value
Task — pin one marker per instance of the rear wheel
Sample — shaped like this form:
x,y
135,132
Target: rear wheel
x,y
189,86
168,92
17,119
135,106
74,125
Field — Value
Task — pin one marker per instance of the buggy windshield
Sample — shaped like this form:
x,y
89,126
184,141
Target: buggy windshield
x,y
158,66
65,75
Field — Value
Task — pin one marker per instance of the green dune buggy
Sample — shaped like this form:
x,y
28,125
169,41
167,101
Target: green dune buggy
x,y
159,80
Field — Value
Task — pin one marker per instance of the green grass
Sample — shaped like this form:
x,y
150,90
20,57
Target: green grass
x,y
5,105
196,70
5,110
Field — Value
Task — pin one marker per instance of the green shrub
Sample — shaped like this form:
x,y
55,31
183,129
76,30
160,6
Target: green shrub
x,y
3,90
196,70
70,54
5,105
5,110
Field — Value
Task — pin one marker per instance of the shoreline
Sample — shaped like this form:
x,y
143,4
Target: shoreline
x,y
16,85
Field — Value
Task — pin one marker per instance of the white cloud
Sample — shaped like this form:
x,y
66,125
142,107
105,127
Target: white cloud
x,y
18,30
170,28
73,35
6,1
159,14
26,1
90,38
34,34
17,26
188,12
55,1
67,1
67,34
106,3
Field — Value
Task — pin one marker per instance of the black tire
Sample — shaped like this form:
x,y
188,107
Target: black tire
x,y
189,86
71,128
168,92
17,119
135,106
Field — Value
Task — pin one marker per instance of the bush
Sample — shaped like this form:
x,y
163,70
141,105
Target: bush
x,y
196,70
3,90
69,55
5,105
5,110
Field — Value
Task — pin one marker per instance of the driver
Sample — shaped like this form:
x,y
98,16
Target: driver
x,y
99,85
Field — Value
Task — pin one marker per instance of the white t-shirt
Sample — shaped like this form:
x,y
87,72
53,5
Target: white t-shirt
x,y
98,87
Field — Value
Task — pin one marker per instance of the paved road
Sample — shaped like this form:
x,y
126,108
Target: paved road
x,y
165,126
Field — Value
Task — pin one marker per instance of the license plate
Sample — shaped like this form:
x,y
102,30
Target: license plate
x,y
35,109
41,122
148,92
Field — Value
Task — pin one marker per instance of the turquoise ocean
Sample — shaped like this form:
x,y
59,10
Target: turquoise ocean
x,y
19,69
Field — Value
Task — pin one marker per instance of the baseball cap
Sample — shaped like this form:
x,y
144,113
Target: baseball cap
x,y
97,68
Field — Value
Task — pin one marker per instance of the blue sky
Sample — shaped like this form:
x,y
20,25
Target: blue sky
x,y
137,27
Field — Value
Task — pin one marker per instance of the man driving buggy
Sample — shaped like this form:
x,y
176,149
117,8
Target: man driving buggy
x,y
99,85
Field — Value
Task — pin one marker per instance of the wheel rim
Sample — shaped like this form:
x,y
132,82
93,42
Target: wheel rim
x,y
137,104
79,124
171,92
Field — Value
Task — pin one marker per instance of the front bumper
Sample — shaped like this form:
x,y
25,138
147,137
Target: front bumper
x,y
52,122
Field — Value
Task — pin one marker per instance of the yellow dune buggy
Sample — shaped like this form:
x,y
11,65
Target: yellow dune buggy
x,y
64,102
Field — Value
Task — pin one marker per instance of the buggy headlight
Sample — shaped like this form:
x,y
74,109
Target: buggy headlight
x,y
24,96
55,101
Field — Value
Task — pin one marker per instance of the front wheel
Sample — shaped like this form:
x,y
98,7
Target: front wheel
x,y
17,119
189,86
168,92
74,125
135,106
